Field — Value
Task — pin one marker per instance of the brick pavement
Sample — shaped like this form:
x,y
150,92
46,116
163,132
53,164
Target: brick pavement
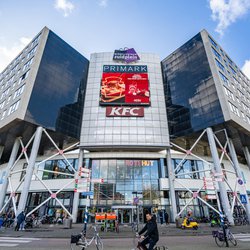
x,y
58,231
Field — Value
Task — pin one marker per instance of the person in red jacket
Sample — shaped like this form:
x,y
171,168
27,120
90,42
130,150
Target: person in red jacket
x,y
151,235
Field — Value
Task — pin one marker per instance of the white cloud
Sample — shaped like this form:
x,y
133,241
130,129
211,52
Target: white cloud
x,y
103,3
227,12
7,54
246,68
65,6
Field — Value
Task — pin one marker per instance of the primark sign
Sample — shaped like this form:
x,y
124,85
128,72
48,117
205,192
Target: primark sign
x,y
126,55
125,69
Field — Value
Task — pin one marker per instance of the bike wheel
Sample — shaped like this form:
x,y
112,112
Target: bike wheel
x,y
219,243
231,239
237,222
98,243
74,246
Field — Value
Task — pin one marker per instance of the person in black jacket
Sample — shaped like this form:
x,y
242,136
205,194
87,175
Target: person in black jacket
x,y
151,236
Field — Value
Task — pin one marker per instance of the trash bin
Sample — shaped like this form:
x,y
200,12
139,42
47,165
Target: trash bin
x,y
67,223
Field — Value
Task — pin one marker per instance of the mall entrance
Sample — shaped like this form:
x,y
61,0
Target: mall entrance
x,y
126,213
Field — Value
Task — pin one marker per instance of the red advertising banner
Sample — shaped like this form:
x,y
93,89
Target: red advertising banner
x,y
125,88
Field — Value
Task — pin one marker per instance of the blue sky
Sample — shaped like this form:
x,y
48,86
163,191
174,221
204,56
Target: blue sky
x,y
158,26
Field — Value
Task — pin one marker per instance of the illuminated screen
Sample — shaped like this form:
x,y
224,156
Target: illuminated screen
x,y
124,88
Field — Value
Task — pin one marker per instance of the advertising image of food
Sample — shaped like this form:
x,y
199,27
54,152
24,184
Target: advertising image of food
x,y
112,87
124,88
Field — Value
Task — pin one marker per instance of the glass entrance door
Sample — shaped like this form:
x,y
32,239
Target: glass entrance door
x,y
124,215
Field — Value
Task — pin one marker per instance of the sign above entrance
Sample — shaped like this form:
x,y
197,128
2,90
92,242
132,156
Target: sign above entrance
x,y
126,55
124,111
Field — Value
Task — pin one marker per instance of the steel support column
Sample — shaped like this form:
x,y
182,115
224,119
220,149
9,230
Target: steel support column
x,y
29,170
222,188
1,150
11,162
76,194
247,155
171,178
238,172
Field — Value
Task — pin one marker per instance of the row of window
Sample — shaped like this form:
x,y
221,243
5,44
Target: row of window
x,y
227,61
8,96
12,81
232,68
11,110
13,66
240,114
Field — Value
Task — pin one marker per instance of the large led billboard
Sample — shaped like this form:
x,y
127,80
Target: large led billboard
x,y
124,84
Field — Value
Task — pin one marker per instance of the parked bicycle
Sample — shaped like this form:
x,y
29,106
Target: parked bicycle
x,y
238,221
79,241
220,238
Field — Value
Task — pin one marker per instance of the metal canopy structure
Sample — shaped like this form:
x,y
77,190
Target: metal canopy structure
x,y
219,151
33,169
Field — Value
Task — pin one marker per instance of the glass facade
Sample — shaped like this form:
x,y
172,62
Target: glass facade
x,y
57,98
189,169
191,98
122,177
59,167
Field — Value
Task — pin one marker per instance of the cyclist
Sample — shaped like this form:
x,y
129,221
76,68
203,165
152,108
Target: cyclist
x,y
151,236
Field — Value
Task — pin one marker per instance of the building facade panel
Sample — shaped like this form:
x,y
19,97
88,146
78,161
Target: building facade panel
x,y
100,130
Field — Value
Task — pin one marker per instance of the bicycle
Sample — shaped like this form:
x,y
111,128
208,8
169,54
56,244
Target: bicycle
x,y
136,242
80,241
220,239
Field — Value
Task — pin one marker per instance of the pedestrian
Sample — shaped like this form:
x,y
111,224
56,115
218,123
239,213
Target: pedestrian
x,y
166,217
161,217
151,235
20,220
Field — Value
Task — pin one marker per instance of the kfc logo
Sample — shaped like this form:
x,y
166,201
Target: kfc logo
x,y
124,111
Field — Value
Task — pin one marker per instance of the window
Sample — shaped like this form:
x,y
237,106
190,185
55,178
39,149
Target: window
x,y
229,60
5,93
224,79
233,71
229,93
212,42
234,109
27,64
220,65
2,104
216,53
243,116
241,95
13,107
35,40
23,77
245,107
19,91
3,114
8,100
59,167
248,119
32,52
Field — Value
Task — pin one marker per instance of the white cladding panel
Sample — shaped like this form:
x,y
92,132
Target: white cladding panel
x,y
99,130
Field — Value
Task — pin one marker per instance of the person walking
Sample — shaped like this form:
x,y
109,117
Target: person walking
x,y
166,217
161,217
20,220
151,235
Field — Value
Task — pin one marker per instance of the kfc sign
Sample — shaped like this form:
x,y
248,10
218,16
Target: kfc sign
x,y
124,111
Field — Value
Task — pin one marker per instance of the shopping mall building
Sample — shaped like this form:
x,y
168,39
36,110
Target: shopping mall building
x,y
124,131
